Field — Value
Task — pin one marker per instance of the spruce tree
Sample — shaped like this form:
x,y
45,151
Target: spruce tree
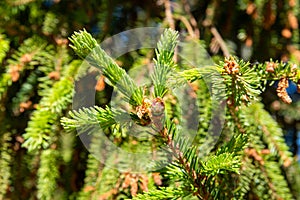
x,y
221,138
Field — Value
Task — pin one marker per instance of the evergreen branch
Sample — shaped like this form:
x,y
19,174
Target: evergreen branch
x,y
26,91
221,164
86,118
59,96
164,61
186,160
162,193
48,173
4,44
40,130
87,48
5,82
267,134
94,169
83,43
42,125
272,134
50,23
24,58
5,163
48,62
262,187
116,76
247,173
191,170
191,74
227,158
238,75
277,179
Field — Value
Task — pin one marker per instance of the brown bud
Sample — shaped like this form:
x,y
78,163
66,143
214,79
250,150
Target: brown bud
x,y
156,178
265,151
287,162
283,83
54,75
100,84
250,8
144,182
231,66
88,188
61,41
286,33
127,181
293,21
270,67
143,109
26,58
292,3
14,72
249,42
281,91
276,105
25,105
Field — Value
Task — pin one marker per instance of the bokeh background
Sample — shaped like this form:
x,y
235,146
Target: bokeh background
x,y
34,33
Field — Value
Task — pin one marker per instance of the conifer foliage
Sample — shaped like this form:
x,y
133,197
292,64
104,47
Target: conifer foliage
x,y
168,130
251,158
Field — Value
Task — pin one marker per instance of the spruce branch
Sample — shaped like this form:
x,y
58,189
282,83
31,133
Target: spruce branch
x,y
272,134
243,83
190,170
266,140
59,96
164,61
5,82
42,126
5,163
47,173
221,164
87,118
4,44
83,43
39,131
161,193
26,91
87,48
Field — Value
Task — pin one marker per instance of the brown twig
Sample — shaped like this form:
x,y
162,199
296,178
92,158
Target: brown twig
x,y
178,154
220,40
187,25
193,21
169,16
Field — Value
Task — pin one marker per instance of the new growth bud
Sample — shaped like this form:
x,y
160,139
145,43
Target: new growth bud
x,y
157,112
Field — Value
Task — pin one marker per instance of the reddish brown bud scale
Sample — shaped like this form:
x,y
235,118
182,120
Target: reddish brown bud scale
x,y
281,90
231,66
270,67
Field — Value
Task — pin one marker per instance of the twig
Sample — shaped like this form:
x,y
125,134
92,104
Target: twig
x,y
179,155
169,16
193,21
220,40
187,25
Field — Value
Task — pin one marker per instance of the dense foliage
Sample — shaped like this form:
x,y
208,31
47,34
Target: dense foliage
x,y
236,151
